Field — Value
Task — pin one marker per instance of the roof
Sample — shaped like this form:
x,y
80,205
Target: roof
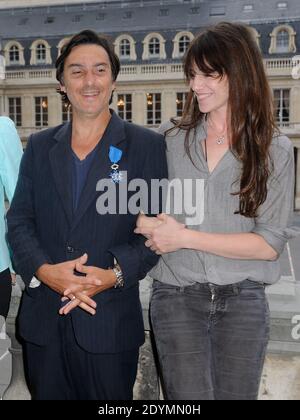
x,y
139,17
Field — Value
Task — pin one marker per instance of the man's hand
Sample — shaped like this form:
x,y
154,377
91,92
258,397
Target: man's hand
x,y
13,278
60,277
107,279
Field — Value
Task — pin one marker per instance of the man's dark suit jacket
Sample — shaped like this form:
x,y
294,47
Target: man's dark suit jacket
x,y
43,229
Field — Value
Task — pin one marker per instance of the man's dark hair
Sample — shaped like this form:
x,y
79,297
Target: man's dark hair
x,y
86,37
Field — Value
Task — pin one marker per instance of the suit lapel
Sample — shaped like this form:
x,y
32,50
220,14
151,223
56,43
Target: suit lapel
x,y
61,164
101,165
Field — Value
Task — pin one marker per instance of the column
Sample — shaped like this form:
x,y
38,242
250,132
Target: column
x,y
114,104
139,108
297,203
54,110
168,105
28,112
2,99
294,105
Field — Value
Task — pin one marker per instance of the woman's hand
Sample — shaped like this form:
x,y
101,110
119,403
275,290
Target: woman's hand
x,y
147,224
165,237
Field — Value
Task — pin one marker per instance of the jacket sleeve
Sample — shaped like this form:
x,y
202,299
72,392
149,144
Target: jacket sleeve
x,y
10,157
27,253
12,154
134,258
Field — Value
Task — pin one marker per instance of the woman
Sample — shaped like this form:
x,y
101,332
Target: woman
x,y
209,311
10,157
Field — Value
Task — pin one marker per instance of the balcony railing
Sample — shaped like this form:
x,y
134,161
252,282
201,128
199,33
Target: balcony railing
x,y
40,74
12,77
279,63
143,72
281,66
290,125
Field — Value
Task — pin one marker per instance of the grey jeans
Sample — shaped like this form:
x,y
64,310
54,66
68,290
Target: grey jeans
x,y
211,340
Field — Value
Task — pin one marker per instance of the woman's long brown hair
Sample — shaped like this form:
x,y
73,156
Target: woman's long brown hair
x,y
230,49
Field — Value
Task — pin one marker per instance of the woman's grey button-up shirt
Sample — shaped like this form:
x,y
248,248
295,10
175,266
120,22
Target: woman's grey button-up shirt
x,y
274,222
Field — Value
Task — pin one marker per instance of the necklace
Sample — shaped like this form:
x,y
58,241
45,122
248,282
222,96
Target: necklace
x,y
220,140
220,137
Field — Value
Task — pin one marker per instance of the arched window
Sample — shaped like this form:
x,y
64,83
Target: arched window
x,y
14,55
40,53
124,48
282,41
154,47
183,44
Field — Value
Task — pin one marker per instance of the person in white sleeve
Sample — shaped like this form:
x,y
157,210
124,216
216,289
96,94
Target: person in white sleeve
x,y
10,157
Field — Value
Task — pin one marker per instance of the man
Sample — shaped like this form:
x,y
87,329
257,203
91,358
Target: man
x,y
82,323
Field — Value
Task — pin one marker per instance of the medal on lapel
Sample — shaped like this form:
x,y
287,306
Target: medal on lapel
x,y
115,155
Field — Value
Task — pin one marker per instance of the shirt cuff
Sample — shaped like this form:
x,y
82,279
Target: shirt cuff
x,y
277,238
34,283
129,263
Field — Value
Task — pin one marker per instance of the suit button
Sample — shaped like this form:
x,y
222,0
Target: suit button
x,y
70,249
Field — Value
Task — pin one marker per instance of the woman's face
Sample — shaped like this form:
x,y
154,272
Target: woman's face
x,y
212,92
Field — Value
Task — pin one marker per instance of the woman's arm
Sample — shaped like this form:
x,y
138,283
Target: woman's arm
x,y
273,225
170,236
246,246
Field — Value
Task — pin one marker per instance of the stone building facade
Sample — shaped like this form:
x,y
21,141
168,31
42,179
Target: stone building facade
x,y
150,37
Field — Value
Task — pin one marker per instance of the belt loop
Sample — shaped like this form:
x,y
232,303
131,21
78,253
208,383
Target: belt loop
x,y
212,291
236,289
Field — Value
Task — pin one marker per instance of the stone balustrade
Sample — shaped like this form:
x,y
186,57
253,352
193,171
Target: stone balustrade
x,y
139,72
